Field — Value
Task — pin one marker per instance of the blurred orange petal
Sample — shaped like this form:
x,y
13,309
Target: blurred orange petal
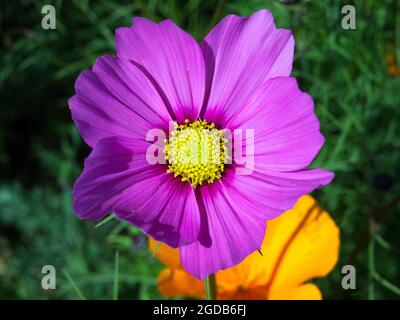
x,y
251,293
179,283
167,255
249,273
304,243
304,292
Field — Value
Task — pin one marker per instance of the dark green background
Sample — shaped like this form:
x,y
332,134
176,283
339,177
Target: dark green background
x,y
41,153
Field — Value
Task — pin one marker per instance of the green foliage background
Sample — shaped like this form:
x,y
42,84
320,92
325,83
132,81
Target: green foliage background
x,y
41,153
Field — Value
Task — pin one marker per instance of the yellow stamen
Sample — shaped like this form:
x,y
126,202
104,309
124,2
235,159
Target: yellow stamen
x,y
196,152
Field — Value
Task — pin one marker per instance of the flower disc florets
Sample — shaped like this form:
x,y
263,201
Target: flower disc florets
x,y
196,152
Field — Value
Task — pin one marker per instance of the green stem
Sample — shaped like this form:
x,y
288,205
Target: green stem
x,y
371,265
73,285
104,221
211,287
116,276
387,284
155,249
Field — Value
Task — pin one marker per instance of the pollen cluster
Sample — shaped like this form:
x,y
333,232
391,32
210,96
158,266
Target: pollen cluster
x,y
195,152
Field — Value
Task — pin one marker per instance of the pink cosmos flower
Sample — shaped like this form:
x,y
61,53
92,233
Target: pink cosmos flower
x,y
237,78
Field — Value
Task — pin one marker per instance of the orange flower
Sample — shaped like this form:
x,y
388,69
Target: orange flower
x,y
299,245
391,65
393,70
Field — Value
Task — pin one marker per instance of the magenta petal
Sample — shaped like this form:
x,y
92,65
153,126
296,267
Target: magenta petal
x,y
116,99
286,130
241,54
172,59
118,178
267,194
114,164
227,235
286,140
162,201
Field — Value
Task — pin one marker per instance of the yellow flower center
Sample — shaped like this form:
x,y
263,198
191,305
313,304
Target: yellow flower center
x,y
196,152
